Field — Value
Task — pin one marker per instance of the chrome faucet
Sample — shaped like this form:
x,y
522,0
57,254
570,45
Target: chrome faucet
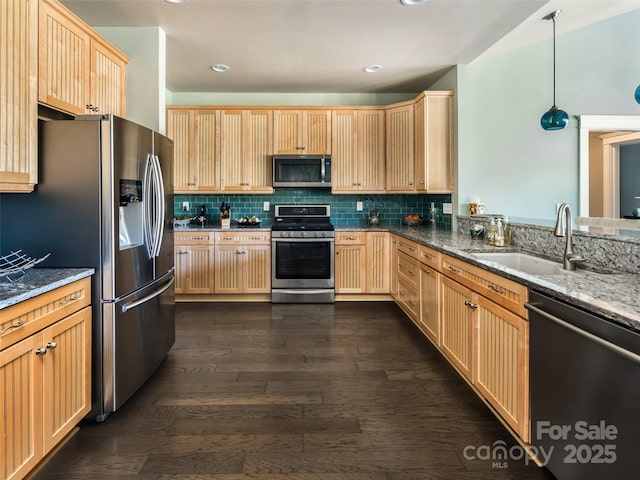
x,y
564,229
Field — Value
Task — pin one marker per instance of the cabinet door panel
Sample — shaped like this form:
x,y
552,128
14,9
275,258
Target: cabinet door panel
x,y
64,67
350,271
232,151
378,262
287,125
205,160
21,445
67,375
194,269
107,79
457,325
18,100
400,149
430,303
180,129
257,269
371,150
258,138
228,275
502,364
317,132
344,151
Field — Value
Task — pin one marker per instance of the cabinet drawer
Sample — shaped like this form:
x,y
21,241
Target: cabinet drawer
x,y
193,238
430,257
409,247
351,238
26,318
504,292
408,270
243,238
408,298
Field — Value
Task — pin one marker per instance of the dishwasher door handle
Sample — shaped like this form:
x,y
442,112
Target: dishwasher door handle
x,y
594,338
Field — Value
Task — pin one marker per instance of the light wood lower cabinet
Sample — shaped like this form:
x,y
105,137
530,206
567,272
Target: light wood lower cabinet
x,y
194,262
45,370
242,262
430,284
362,262
458,318
501,366
485,334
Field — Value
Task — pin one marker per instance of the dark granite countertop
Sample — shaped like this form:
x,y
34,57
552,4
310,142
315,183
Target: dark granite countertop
x,y
611,295
37,281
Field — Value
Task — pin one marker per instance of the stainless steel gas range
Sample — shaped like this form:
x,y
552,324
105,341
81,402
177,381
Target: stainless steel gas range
x,y
302,255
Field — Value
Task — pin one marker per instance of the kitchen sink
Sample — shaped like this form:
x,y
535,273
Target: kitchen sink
x,y
523,262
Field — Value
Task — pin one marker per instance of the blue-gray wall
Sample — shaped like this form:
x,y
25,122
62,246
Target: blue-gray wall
x,y
503,155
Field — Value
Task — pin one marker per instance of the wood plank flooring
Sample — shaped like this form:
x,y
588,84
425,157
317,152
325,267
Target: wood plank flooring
x,y
350,391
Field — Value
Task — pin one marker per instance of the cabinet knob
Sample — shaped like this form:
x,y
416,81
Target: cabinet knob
x,y
470,304
52,345
41,351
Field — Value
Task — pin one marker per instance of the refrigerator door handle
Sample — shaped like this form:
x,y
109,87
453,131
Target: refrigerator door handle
x,y
149,206
128,306
160,204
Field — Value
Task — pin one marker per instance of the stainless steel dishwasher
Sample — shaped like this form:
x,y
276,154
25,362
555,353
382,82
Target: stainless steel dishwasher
x,y
585,392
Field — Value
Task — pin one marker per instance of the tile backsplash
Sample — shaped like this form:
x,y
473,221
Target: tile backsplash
x,y
343,207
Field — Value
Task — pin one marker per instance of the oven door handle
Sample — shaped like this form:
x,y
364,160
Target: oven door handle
x,y
305,239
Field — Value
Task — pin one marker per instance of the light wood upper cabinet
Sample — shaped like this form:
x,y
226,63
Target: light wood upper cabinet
x,y
108,79
358,151
246,142
79,72
196,137
18,97
433,116
400,132
303,132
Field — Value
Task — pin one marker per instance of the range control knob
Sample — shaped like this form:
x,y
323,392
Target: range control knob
x,y
303,234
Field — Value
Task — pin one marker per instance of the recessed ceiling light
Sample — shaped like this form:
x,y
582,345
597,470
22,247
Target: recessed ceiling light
x,y
372,68
175,1
412,2
220,68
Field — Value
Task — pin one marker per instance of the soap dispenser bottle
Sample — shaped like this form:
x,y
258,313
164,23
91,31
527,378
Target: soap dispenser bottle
x,y
499,235
491,232
507,232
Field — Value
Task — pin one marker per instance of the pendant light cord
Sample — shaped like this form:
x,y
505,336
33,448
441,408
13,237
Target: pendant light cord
x,y
554,60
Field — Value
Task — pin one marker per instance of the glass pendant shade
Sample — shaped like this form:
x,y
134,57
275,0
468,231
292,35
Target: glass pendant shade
x,y
554,119
638,94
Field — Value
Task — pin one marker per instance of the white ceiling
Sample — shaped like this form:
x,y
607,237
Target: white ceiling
x,y
322,46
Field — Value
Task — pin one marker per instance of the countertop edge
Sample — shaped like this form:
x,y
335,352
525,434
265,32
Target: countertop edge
x,y
41,280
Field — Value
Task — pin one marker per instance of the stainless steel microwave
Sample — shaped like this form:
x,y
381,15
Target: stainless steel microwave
x,y
302,171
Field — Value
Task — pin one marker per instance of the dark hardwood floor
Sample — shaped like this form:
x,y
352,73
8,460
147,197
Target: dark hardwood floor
x,y
350,391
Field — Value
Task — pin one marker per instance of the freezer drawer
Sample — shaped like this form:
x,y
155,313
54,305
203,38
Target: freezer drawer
x,y
139,331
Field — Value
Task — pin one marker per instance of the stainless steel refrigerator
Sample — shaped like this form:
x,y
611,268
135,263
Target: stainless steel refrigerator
x,y
105,200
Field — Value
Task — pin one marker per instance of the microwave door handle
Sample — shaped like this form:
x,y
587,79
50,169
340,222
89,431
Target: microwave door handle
x,y
323,170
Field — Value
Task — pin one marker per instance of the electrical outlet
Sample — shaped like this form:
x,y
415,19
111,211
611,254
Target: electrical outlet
x,y
359,206
265,207
447,208
185,206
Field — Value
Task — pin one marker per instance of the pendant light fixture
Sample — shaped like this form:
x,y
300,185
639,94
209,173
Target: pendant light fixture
x,y
554,118
638,94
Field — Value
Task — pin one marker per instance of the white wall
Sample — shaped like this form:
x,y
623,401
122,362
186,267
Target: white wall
x,y
504,156
146,72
